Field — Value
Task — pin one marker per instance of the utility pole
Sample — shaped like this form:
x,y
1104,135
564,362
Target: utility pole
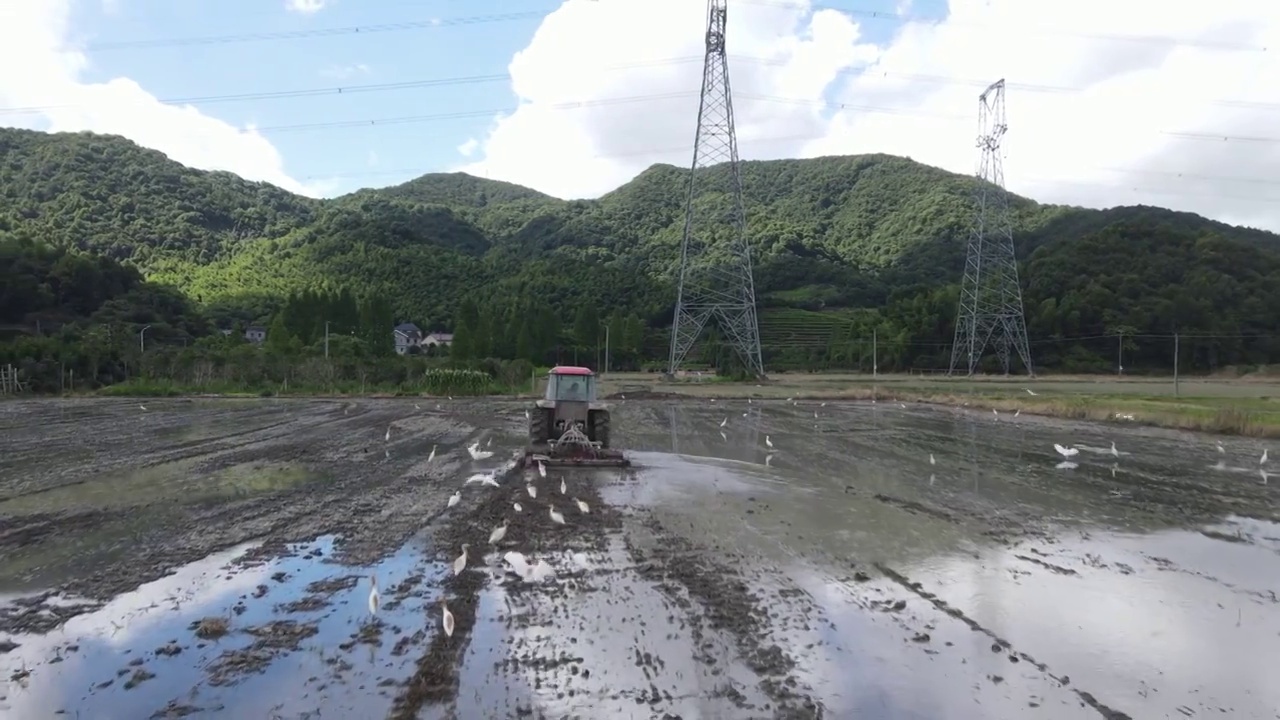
x,y
1120,355
326,339
606,349
875,355
990,295
1175,365
142,339
716,284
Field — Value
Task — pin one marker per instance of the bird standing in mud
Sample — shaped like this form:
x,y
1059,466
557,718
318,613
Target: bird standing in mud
x,y
387,436
461,563
542,469
583,507
532,490
446,618
564,489
556,516
498,533
432,456
373,595
455,498
767,441
518,507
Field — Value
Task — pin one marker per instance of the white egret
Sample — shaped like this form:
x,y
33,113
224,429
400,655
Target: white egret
x,y
518,507
563,488
446,618
387,436
455,498
767,441
489,442
582,507
723,422
1065,451
483,479
498,533
461,563
143,408
1263,460
1114,451
477,453
1220,448
519,564
533,491
1030,391
556,516
542,469
373,594
432,456
416,406
931,460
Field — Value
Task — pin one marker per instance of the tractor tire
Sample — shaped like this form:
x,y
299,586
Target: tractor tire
x,y
539,426
600,427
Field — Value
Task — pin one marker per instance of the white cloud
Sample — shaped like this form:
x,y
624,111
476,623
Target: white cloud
x,y
305,7
38,70
373,158
468,148
345,72
1094,119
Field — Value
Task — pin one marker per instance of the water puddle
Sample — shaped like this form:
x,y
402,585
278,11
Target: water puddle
x,y
222,637
1160,624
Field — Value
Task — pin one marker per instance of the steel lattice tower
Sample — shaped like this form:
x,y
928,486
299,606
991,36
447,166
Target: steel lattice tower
x,y
990,296
715,260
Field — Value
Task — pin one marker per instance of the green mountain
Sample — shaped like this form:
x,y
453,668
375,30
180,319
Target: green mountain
x,y
843,246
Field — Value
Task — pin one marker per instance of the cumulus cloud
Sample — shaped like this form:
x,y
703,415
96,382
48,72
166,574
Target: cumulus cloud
x,y
305,7
1103,108
40,71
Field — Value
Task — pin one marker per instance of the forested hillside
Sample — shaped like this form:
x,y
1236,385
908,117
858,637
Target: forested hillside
x,y
844,247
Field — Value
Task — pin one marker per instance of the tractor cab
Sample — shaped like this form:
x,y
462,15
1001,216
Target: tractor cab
x,y
571,384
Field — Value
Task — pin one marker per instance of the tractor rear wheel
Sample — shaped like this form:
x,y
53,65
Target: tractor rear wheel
x,y
539,426
600,427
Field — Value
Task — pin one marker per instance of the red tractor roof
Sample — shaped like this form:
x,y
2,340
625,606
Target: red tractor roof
x,y
570,370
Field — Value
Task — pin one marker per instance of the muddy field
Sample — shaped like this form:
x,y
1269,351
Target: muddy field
x,y
766,559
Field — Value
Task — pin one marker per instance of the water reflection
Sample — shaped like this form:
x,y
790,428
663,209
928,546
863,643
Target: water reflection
x,y
298,622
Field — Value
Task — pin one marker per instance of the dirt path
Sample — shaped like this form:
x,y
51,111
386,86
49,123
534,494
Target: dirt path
x,y
227,547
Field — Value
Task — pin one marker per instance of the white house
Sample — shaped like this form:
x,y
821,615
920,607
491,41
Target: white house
x,y
255,334
407,336
436,339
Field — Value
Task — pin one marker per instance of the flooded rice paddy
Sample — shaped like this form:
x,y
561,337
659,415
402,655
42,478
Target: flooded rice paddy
x,y
765,559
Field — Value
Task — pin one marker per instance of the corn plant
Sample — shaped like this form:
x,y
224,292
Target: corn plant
x,y
445,381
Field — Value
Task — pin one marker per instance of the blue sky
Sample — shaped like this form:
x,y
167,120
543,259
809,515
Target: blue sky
x,y
357,156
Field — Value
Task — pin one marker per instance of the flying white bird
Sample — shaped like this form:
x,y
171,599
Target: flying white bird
x,y
432,456
1065,451
483,479
563,488
446,618
461,563
556,516
498,533
387,436
767,441
519,564
373,594
582,507
477,453
455,498
542,469
532,490
518,507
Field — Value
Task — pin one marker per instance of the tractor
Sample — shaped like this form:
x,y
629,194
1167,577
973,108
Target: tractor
x,y
569,425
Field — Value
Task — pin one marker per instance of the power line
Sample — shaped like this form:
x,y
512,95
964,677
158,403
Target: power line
x,y
748,142
307,34
661,62
432,23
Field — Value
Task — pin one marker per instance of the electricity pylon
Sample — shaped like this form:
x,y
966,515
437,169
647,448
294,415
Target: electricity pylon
x,y
990,297
715,260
